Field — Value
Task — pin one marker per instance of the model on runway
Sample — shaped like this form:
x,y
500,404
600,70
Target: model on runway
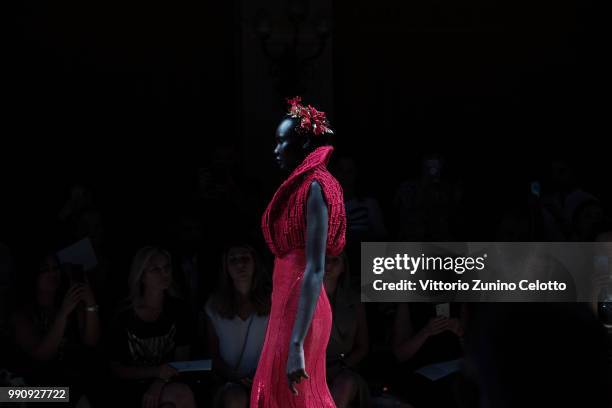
x,y
304,220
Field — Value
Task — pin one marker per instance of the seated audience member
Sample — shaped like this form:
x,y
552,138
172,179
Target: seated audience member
x,y
7,281
525,355
188,258
227,189
586,216
429,207
363,213
514,226
559,198
151,330
57,328
348,343
364,218
424,335
237,316
80,218
602,281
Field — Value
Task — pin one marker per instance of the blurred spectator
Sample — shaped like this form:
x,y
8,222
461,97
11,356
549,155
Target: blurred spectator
x,y
562,181
348,343
81,199
237,317
521,220
81,219
364,219
585,215
186,247
217,181
152,329
57,328
7,296
226,190
602,281
514,226
363,214
423,336
427,208
569,213
538,355
7,285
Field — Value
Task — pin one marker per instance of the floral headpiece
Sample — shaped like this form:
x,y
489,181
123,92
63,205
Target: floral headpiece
x,y
311,120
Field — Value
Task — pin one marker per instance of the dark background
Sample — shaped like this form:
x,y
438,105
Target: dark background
x,y
129,97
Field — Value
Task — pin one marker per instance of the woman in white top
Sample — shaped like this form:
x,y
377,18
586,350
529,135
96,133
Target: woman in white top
x,y
237,317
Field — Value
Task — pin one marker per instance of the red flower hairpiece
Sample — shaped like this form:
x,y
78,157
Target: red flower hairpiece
x,y
310,118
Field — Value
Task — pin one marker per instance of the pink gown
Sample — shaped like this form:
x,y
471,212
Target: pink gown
x,y
284,228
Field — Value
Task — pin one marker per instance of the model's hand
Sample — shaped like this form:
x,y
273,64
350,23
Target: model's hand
x,y
296,368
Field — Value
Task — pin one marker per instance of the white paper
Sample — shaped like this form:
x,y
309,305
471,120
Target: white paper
x,y
440,370
79,253
193,365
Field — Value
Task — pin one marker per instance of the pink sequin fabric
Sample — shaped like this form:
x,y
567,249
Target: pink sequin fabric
x,y
284,228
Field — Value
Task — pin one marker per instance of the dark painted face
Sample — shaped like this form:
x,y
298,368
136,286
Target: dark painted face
x,y
287,151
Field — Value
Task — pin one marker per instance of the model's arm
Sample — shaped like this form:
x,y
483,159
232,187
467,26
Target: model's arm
x,y
312,282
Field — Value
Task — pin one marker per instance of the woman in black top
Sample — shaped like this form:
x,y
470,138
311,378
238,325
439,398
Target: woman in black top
x,y
151,330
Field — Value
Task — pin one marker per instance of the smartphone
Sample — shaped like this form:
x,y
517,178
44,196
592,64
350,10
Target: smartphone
x,y
443,309
535,188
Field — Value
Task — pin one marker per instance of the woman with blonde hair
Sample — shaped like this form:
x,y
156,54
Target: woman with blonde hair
x,y
152,329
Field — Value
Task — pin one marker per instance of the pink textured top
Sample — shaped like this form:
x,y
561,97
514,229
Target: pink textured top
x,y
284,221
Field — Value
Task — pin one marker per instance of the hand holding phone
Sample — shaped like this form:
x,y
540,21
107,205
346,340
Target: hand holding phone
x,y
76,273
